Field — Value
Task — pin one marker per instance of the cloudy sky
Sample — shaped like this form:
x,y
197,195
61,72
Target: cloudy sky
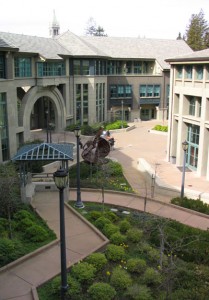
x,y
122,18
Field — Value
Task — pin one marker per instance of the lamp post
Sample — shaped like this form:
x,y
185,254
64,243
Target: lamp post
x,y
47,124
79,203
122,112
184,147
61,181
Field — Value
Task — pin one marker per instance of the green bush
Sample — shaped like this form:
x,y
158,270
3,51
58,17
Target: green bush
x,y
23,214
102,291
120,279
101,222
98,260
161,128
36,233
55,286
136,265
10,250
83,272
74,290
196,205
94,215
115,253
139,292
116,125
151,277
111,216
109,229
117,238
124,225
134,235
23,224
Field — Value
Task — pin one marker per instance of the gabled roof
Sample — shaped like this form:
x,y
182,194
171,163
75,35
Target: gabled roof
x,y
48,48
123,47
44,151
202,55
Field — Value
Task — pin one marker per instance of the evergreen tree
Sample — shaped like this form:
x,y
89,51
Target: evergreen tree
x,y
93,29
197,33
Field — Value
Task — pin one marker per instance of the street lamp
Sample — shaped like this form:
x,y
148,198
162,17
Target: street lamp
x,y
61,181
184,147
122,112
79,203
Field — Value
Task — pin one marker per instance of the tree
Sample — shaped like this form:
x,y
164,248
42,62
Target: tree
x,y
197,33
94,30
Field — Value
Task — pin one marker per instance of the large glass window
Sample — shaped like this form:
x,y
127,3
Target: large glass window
x,y
179,72
85,67
4,127
195,105
100,100
23,67
2,67
121,91
137,67
77,67
50,69
193,134
142,90
192,106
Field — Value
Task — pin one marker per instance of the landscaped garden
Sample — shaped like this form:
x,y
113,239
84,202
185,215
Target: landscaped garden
x,y
147,258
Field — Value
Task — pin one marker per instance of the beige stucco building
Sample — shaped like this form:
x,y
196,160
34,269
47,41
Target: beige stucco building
x,y
68,79
189,111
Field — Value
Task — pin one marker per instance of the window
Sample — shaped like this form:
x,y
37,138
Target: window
x,y
100,67
85,67
179,71
137,67
192,106
193,134
82,97
23,67
199,72
100,102
2,67
50,69
121,91
128,67
4,127
77,67
188,70
149,91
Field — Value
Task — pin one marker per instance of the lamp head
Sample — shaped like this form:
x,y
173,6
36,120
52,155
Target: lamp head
x,y
185,145
61,178
77,131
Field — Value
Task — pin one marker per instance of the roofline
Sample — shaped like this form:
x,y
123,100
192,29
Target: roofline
x,y
189,59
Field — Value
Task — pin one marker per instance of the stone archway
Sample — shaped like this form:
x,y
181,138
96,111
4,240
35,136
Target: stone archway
x,y
29,100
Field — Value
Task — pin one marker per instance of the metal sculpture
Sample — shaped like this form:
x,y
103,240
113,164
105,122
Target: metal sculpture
x,y
94,151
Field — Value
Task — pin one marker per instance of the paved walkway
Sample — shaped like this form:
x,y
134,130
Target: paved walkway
x,y
18,280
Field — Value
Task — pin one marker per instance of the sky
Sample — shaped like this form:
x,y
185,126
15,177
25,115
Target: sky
x,y
161,19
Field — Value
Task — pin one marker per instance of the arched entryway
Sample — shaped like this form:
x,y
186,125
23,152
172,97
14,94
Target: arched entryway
x,y
41,106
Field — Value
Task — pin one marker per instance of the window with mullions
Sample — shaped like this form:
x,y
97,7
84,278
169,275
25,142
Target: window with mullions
x,y
192,106
113,91
100,102
85,67
47,69
120,91
149,90
100,67
23,67
188,73
137,67
2,66
4,127
77,67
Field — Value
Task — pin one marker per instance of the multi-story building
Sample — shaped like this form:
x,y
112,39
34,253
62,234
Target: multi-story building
x,y
189,111
67,79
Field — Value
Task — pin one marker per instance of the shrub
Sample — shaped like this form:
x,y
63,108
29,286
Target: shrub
x,y
98,260
136,265
111,216
101,222
83,272
74,290
109,229
9,250
134,235
23,214
102,291
94,215
161,128
124,225
115,253
117,238
23,224
36,233
120,279
139,292
116,125
151,276
196,205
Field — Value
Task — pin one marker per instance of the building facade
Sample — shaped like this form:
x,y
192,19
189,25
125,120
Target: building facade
x,y
189,111
68,79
